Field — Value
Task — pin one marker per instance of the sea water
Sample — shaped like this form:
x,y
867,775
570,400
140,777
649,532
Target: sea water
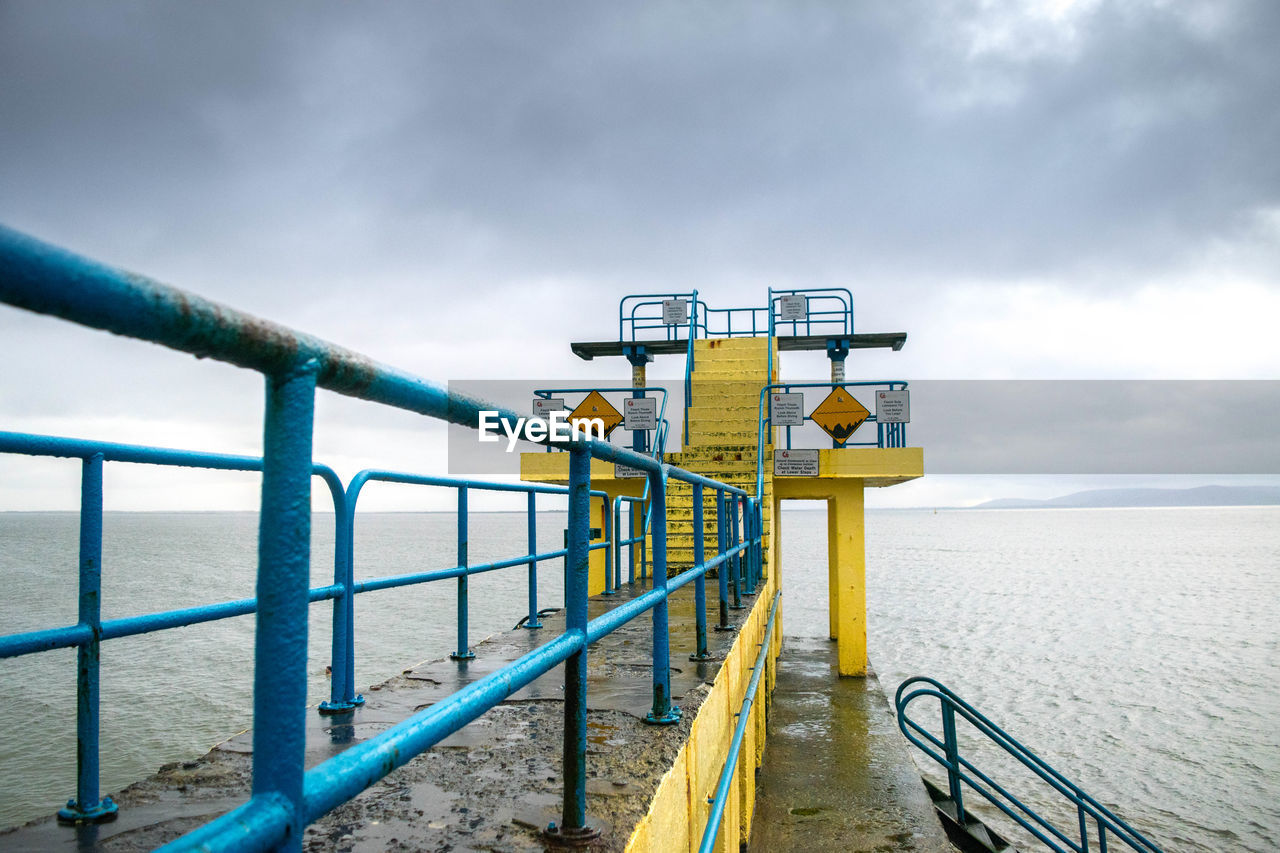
x,y
1135,650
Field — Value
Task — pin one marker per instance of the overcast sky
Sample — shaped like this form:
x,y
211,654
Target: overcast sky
x,y
1056,190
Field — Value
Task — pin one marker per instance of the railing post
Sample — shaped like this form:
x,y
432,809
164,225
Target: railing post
x,y
607,518
748,533
722,570
644,548
736,561
573,828
342,668
952,748
284,568
464,650
1084,829
532,622
86,807
663,712
699,585
631,549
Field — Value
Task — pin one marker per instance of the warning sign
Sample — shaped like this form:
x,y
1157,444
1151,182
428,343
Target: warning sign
x,y
675,312
893,407
623,472
793,307
786,410
795,463
544,406
840,414
642,413
596,406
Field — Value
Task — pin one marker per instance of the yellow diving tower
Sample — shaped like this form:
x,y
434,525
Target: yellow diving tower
x,y
745,427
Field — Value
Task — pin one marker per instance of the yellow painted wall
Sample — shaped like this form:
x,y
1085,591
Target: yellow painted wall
x,y
679,808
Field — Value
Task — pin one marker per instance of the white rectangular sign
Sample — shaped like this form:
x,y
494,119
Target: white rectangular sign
x,y
640,413
543,406
675,312
624,472
795,463
794,306
786,410
893,407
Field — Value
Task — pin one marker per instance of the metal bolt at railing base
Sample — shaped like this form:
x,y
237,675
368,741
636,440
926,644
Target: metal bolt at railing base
x,y
570,836
672,716
701,657
468,656
331,708
106,810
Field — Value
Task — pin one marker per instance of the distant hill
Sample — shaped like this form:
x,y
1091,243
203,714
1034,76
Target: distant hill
x,y
1199,496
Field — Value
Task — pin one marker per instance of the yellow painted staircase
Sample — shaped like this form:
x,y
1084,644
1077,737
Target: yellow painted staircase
x,y
728,374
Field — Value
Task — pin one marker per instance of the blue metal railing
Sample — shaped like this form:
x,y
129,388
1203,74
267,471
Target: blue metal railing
x,y
285,795
688,369
887,435
962,770
829,311
720,799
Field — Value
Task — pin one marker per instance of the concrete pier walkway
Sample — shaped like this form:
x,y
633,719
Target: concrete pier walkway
x,y
837,774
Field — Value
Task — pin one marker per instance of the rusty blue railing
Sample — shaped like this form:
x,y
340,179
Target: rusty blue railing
x,y
285,795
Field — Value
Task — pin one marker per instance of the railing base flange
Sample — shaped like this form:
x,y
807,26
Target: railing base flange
x,y
106,810
328,709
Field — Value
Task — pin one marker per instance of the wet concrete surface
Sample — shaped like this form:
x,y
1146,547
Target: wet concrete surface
x,y
493,785
837,773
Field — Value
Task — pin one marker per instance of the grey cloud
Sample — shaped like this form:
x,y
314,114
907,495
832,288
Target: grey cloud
x,y
479,142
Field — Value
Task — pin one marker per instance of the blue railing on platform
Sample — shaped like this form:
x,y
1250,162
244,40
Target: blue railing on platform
x,y
961,771
828,311
887,434
286,796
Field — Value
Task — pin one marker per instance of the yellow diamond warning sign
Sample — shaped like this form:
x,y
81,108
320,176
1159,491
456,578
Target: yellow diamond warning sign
x,y
840,415
595,406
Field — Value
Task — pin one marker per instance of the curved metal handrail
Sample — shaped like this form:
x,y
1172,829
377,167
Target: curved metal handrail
x,y
956,766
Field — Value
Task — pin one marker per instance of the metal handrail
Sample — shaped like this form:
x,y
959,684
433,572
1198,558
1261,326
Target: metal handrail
x,y
286,795
887,435
688,369
642,312
720,799
961,770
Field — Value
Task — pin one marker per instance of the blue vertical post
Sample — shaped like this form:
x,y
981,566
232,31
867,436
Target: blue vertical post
x,y
748,536
736,561
722,571
86,807
952,749
573,826
532,622
631,549
342,695
663,712
284,567
607,518
699,585
617,542
464,651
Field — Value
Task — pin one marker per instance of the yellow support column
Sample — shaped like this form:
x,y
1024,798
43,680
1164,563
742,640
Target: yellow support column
x,y
847,574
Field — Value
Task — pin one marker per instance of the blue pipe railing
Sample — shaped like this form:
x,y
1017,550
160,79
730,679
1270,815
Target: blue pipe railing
x,y
688,370
961,771
285,795
830,312
720,799
887,435
90,631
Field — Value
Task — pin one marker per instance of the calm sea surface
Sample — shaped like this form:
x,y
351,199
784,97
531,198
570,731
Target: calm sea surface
x,y
1135,650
